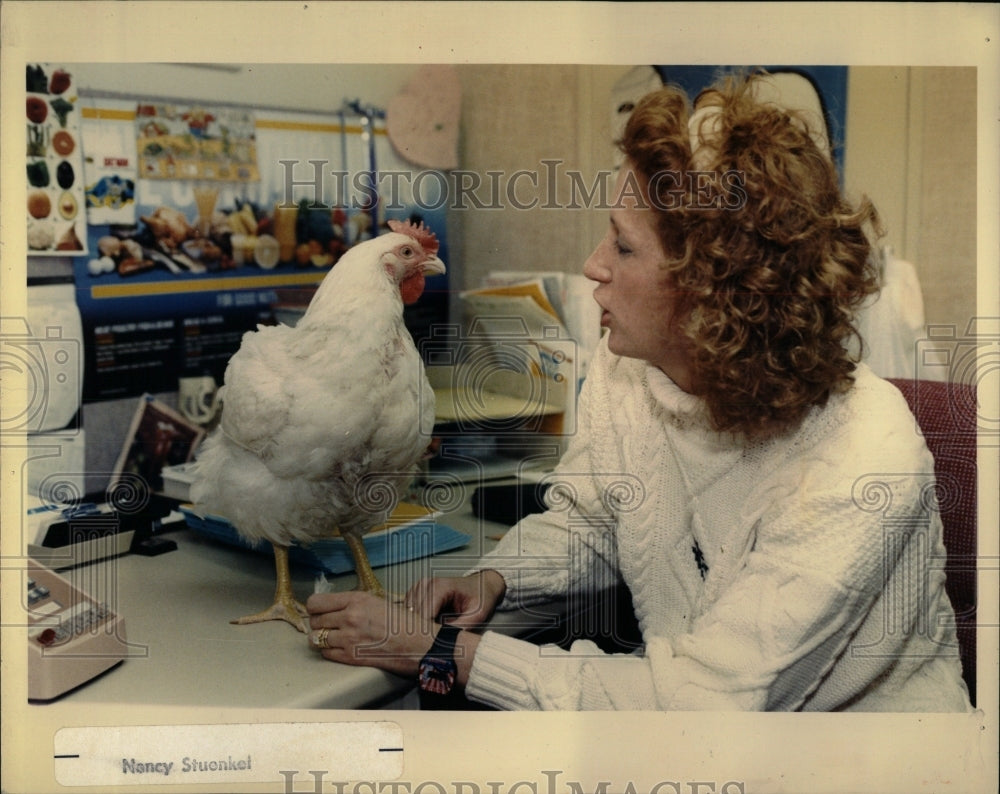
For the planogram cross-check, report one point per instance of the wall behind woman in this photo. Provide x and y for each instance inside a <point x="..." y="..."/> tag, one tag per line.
<point x="911" y="146"/>
<point x="514" y="118"/>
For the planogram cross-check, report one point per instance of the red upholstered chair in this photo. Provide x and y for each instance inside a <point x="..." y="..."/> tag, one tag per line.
<point x="946" y="414"/>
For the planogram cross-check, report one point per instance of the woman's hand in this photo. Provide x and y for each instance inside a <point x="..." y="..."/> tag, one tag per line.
<point x="462" y="601"/>
<point x="361" y="629"/>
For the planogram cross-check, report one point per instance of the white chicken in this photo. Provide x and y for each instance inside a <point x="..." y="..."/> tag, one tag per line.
<point x="318" y="417"/>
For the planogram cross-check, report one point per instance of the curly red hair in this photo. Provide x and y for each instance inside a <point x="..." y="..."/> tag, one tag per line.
<point x="769" y="261"/>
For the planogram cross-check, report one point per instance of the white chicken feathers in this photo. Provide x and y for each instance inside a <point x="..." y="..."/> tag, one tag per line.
<point x="323" y="424"/>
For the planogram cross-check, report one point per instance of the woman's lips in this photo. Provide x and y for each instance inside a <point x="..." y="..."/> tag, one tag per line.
<point x="605" y="314"/>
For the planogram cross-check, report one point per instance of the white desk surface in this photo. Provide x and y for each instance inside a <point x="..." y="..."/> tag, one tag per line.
<point x="184" y="651"/>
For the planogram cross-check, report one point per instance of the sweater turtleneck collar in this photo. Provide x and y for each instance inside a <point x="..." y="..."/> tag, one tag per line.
<point x="674" y="400"/>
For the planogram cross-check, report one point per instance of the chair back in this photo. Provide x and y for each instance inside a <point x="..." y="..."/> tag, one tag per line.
<point x="946" y="415"/>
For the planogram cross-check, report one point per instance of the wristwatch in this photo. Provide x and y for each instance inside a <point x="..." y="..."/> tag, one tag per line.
<point x="438" y="669"/>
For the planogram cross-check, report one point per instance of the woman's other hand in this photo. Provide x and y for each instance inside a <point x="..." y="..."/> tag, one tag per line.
<point x="464" y="601"/>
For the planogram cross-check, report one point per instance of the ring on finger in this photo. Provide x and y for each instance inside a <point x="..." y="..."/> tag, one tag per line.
<point x="319" y="639"/>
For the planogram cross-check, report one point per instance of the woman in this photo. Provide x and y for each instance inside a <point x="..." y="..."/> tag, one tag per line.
<point x="776" y="539"/>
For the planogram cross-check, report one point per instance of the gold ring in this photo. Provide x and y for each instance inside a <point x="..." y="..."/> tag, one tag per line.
<point x="320" y="639"/>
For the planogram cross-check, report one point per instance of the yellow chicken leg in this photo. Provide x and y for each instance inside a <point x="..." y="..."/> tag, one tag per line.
<point x="285" y="607"/>
<point x="366" y="576"/>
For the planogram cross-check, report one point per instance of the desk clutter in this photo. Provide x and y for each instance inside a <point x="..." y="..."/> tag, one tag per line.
<point x="63" y="536"/>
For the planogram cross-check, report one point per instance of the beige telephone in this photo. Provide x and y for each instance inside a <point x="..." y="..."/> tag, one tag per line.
<point x="71" y="637"/>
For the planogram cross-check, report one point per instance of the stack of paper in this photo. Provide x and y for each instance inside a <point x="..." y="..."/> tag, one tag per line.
<point x="554" y="313"/>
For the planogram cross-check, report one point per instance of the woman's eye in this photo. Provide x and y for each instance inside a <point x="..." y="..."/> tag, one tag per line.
<point x="621" y="249"/>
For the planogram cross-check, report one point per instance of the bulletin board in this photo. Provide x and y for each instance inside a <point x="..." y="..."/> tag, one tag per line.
<point x="177" y="307"/>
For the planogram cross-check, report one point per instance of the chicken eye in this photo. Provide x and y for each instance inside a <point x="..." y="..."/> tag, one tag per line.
<point x="407" y="251"/>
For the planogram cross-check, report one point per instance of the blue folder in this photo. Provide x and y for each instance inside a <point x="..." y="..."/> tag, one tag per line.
<point x="420" y="538"/>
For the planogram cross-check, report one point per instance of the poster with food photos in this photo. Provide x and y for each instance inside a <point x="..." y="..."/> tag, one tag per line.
<point x="196" y="142"/>
<point x="57" y="218"/>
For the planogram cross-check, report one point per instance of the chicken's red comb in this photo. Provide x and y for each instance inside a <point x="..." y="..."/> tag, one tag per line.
<point x="427" y="239"/>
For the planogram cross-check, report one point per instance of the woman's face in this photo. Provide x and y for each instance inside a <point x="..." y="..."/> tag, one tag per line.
<point x="633" y="289"/>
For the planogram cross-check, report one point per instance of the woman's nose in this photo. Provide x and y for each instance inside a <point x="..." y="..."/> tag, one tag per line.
<point x="594" y="268"/>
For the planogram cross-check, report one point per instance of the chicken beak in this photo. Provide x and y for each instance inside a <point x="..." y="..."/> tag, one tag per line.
<point x="432" y="266"/>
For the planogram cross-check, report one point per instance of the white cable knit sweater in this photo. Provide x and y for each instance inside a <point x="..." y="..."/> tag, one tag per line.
<point x="823" y="587"/>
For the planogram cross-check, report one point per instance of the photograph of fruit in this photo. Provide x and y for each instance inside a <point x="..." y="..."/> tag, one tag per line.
<point x="53" y="163"/>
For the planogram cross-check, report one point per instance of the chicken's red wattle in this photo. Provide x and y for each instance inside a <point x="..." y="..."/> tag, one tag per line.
<point x="411" y="288"/>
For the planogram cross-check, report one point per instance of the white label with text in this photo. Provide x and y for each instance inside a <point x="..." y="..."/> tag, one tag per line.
<point x="250" y="752"/>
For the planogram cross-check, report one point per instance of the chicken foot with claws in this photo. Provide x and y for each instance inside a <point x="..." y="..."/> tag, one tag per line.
<point x="285" y="607"/>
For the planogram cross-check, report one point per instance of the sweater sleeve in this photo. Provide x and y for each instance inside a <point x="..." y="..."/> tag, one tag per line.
<point x="820" y="564"/>
<point x="571" y="546"/>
